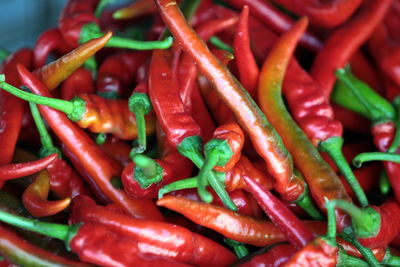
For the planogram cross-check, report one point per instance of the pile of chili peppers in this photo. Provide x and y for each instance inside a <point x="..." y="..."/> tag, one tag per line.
<point x="204" y="133"/>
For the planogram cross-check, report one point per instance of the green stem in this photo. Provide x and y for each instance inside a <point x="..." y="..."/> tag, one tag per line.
<point x="202" y="177"/>
<point x="191" y="148"/>
<point x="396" y="139"/>
<point x="240" y="249"/>
<point x="384" y="184"/>
<point x="306" y="204"/>
<point x="3" y="54"/>
<point x="147" y="171"/>
<point x="378" y="107"/>
<point x="101" y="139"/>
<point x="45" y="138"/>
<point x="74" y="109"/>
<point x="140" y="105"/>
<point x="365" y="222"/>
<point x="101" y="6"/>
<point x="178" y="185"/>
<point x="345" y="260"/>
<point x="189" y="8"/>
<point x="221" y="44"/>
<point x="390" y="260"/>
<point x="331" y="229"/>
<point x="367" y="254"/>
<point x="91" y="65"/>
<point x="372" y="156"/>
<point x="333" y="146"/>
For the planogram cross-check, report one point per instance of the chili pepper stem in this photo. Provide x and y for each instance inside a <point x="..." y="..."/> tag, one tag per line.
<point x="101" y="6"/>
<point x="372" y="156"/>
<point x="384" y="184"/>
<point x="240" y="250"/>
<point x="367" y="254"/>
<point x="47" y="143"/>
<point x="92" y="31"/>
<point x="221" y="44"/>
<point x="331" y="231"/>
<point x="3" y="54"/>
<point x="390" y="260"/>
<point x="396" y="139"/>
<point x="365" y="222"/>
<point x="74" y="109"/>
<point x="140" y="105"/>
<point x="147" y="171"/>
<point x="101" y="139"/>
<point x="345" y="260"/>
<point x="178" y="185"/>
<point x="333" y="146"/>
<point x="306" y="204"/>
<point x="207" y="167"/>
<point x="191" y="148"/>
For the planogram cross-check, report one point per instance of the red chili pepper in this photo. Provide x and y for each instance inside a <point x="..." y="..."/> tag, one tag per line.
<point x="375" y="226"/>
<point x="99" y="166"/>
<point x="79" y="82"/>
<point x="188" y="247"/>
<point x="18" y="170"/>
<point x="57" y="71"/>
<point x="117" y="149"/>
<point x="275" y="19"/>
<point x="48" y="42"/>
<point x="117" y="73"/>
<point x="22" y="253"/>
<point x="338" y="50"/>
<point x="35" y="198"/>
<point x="274" y="256"/>
<point x="324" y="14"/>
<point x="247" y="66"/>
<point x="11" y="108"/>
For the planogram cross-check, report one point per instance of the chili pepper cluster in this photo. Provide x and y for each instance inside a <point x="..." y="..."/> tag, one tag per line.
<point x="204" y="133"/>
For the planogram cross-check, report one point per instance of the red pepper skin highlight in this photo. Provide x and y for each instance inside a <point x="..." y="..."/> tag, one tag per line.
<point x="338" y="50"/>
<point x="99" y="166"/>
<point x="276" y="256"/>
<point x="79" y="82"/>
<point x="155" y="237"/>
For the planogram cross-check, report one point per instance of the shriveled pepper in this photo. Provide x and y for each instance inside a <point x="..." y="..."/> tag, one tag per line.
<point x="35" y="198"/>
<point x="93" y="160"/>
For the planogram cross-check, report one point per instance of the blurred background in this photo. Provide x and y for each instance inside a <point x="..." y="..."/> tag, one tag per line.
<point x="22" y="21"/>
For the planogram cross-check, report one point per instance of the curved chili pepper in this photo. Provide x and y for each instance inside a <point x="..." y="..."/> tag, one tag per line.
<point x="93" y="243"/>
<point x="135" y="9"/>
<point x="324" y="14"/>
<point x="57" y="71"/>
<point x="117" y="149"/>
<point x="78" y="24"/>
<point x="310" y="107"/>
<point x="275" y="19"/>
<point x="222" y="153"/>
<point x="22" y="253"/>
<point x="11" y="108"/>
<point x="48" y="42"/>
<point x="18" y="170"/>
<point x="35" y="198"/>
<point x="117" y="73"/>
<point x="247" y="66"/>
<point x="338" y="50"/>
<point x="375" y="227"/>
<point x="191" y="248"/>
<point x="264" y="137"/>
<point x="91" y="111"/>
<point x="93" y="160"/>
<point x="79" y="82"/>
<point x="64" y="181"/>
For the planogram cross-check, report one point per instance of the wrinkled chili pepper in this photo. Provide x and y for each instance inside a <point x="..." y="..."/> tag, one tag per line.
<point x="91" y="111"/>
<point x="18" y="170"/>
<point x="35" y="198"/>
<point x="323" y="14"/>
<point x="100" y="167"/>
<point x="316" y="171"/>
<point x="11" y="108"/>
<point x="189" y="247"/>
<point x="253" y="121"/>
<point x="48" y="42"/>
<point x="22" y="253"/>
<point x="78" y="24"/>
<point x="64" y="181"/>
<point x="338" y="50"/>
<point x="93" y="243"/>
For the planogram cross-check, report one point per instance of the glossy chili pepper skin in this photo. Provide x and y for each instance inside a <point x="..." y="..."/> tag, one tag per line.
<point x="338" y="50"/>
<point x="117" y="149"/>
<point x="11" y="108"/>
<point x="316" y="253"/>
<point x="79" y="82"/>
<point x="18" y="170"/>
<point x="265" y="139"/>
<point x="97" y="244"/>
<point x="22" y="253"/>
<point x="328" y="15"/>
<point x="275" y="256"/>
<point x="275" y="19"/>
<point x="117" y="73"/>
<point x="35" y="196"/>
<point x="50" y="41"/>
<point x="154" y="237"/>
<point x="245" y="61"/>
<point x="99" y="166"/>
